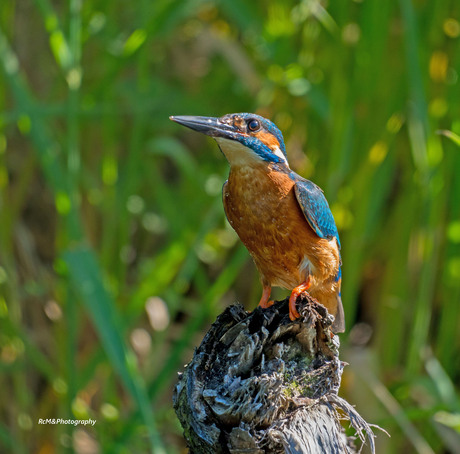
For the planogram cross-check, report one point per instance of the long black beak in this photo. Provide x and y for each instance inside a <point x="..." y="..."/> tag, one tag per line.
<point x="210" y="126"/>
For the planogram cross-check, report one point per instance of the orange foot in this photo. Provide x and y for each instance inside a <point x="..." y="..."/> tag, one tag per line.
<point x="265" y="300"/>
<point x="293" y="314"/>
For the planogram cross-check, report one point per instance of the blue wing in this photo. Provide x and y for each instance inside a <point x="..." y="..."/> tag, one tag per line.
<point x="315" y="208"/>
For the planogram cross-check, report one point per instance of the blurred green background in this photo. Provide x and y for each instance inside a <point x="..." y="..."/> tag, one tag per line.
<point x="115" y="256"/>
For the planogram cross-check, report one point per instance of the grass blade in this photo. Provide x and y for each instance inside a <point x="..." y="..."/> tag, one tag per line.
<point x="87" y="280"/>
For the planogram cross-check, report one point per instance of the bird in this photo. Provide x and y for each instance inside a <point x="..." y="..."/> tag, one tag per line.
<point x="283" y="219"/>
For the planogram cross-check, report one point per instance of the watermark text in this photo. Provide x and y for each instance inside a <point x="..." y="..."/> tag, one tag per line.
<point x="74" y="422"/>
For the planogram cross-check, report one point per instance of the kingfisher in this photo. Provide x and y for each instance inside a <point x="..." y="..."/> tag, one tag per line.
<point x="284" y="220"/>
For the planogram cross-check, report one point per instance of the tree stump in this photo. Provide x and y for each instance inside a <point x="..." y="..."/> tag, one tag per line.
<point x="260" y="383"/>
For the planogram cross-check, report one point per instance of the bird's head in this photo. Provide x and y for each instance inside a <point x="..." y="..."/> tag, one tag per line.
<point x="244" y="138"/>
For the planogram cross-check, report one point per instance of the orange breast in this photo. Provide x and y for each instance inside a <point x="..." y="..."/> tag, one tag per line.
<point x="261" y="206"/>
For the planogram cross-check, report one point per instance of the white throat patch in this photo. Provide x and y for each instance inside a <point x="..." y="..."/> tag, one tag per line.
<point x="238" y="154"/>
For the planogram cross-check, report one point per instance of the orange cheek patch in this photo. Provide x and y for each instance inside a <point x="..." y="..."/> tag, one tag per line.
<point x="268" y="139"/>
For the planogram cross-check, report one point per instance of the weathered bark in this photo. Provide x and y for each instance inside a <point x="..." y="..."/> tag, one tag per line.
<point x="260" y="383"/>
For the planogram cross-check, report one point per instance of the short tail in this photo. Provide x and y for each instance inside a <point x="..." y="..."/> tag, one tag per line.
<point x="339" y="323"/>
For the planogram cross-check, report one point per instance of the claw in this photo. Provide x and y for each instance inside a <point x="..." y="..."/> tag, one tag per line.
<point x="267" y="304"/>
<point x="296" y="292"/>
<point x="265" y="299"/>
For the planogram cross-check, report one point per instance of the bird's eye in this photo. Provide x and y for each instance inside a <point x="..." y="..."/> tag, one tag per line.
<point x="253" y="125"/>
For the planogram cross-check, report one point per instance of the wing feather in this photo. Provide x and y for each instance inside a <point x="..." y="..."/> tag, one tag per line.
<point x="316" y="209"/>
